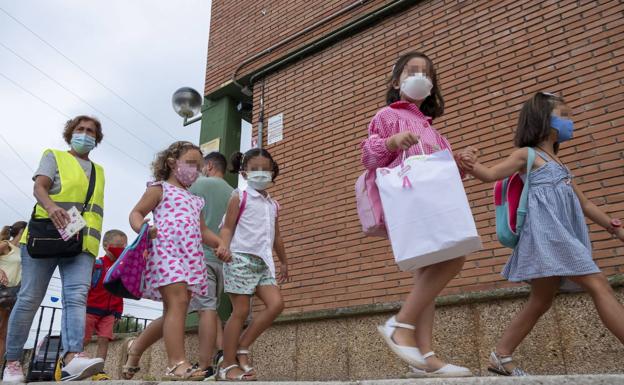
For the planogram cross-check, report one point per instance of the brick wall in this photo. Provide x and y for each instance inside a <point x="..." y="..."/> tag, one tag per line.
<point x="490" y="56"/>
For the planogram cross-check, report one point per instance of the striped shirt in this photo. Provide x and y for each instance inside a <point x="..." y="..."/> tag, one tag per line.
<point x="399" y="117"/>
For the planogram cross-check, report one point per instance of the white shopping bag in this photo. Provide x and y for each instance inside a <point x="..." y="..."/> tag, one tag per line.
<point x="426" y="210"/>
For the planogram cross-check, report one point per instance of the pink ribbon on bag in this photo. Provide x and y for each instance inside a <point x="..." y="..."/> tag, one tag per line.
<point x="406" y="182"/>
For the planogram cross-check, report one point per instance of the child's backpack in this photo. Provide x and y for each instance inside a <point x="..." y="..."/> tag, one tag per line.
<point x="369" y="206"/>
<point x="241" y="208"/>
<point x="125" y="277"/>
<point x="510" y="199"/>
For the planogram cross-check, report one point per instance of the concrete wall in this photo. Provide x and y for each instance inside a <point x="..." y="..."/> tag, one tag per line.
<point x="569" y="339"/>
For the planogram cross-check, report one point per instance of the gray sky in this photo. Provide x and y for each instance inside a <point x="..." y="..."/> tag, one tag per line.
<point x="142" y="50"/>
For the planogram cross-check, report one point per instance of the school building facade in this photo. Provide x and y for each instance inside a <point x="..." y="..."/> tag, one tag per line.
<point x="324" y="65"/>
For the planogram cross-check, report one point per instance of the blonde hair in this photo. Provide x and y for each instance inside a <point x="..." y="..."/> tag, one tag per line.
<point x="110" y="234"/>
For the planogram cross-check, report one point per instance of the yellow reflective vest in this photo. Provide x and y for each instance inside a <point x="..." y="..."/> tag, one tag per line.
<point x="74" y="185"/>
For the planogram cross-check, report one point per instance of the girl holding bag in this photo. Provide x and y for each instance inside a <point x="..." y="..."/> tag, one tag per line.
<point x="554" y="244"/>
<point x="175" y="268"/>
<point x="413" y="101"/>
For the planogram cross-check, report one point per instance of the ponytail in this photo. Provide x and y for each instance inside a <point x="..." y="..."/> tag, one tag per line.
<point x="13" y="231"/>
<point x="236" y="160"/>
<point x="239" y="161"/>
<point x="5" y="233"/>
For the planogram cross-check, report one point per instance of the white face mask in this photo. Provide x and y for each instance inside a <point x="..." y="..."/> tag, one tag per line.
<point x="416" y="86"/>
<point x="259" y="180"/>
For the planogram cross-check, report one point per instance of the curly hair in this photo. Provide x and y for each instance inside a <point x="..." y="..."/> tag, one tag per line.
<point x="160" y="166"/>
<point x="71" y="125"/>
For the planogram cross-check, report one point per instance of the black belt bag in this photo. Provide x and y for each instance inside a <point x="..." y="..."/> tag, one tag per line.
<point x="44" y="239"/>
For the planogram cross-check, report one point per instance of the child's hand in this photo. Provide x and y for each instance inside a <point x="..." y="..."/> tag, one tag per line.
<point x="282" y="276"/>
<point x="467" y="158"/>
<point x="223" y="253"/>
<point x="619" y="233"/>
<point x="153" y="232"/>
<point x="401" y="141"/>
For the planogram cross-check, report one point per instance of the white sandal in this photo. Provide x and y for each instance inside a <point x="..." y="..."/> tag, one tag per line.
<point x="448" y="370"/>
<point x="222" y="374"/>
<point x="409" y="354"/>
<point x="497" y="365"/>
<point x="247" y="368"/>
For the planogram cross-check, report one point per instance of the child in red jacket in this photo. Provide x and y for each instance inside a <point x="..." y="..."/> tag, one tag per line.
<point x="103" y="308"/>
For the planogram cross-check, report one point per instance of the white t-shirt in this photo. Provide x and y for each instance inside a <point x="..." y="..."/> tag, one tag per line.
<point x="255" y="231"/>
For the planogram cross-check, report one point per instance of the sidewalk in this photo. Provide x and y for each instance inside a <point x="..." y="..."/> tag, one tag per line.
<point x="594" y="379"/>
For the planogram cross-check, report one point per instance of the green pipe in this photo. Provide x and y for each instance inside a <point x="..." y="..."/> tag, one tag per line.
<point x="346" y="30"/>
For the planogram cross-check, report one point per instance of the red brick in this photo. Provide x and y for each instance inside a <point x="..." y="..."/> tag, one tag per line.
<point x="491" y="56"/>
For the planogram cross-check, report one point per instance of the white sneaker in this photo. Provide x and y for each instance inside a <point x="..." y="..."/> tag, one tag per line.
<point x="81" y="367"/>
<point x="13" y="372"/>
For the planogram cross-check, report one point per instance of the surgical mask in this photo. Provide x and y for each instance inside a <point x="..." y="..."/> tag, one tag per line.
<point x="82" y="143"/>
<point x="417" y="86"/>
<point x="186" y="173"/>
<point x="115" y="251"/>
<point x="564" y="127"/>
<point x="259" y="180"/>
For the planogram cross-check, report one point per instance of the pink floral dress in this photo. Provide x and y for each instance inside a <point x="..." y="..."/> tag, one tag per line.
<point x="176" y="254"/>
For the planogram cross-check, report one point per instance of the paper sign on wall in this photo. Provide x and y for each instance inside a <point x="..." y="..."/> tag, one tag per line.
<point x="212" y="146"/>
<point x="276" y="129"/>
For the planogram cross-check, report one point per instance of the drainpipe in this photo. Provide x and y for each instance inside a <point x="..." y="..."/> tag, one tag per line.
<point x="261" y="116"/>
<point x="289" y="39"/>
<point x="345" y="31"/>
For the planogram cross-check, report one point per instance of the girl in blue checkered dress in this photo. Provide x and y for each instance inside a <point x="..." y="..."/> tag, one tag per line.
<point x="554" y="242"/>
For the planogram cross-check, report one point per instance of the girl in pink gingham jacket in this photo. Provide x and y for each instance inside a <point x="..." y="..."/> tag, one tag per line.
<point x="414" y="100"/>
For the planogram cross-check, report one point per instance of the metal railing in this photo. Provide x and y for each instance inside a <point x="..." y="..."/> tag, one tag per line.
<point x="47" y="344"/>
<point x="130" y="324"/>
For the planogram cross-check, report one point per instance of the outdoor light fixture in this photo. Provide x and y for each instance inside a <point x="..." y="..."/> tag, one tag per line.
<point x="187" y="103"/>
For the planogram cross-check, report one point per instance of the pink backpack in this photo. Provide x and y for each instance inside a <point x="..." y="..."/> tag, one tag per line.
<point x="125" y="276"/>
<point x="369" y="205"/>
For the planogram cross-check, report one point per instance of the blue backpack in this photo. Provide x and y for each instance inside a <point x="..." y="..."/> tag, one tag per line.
<point x="510" y="199"/>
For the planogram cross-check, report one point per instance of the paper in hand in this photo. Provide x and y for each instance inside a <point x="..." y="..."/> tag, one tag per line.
<point x="76" y="223"/>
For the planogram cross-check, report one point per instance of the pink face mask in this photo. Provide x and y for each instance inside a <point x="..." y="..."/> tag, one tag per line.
<point x="186" y="173"/>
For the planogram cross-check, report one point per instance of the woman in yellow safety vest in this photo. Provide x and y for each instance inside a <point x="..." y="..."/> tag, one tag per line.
<point x="61" y="183"/>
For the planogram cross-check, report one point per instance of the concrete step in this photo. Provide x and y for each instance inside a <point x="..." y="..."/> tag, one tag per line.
<point x="594" y="379"/>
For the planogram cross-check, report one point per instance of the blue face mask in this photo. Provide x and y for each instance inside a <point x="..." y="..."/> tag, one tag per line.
<point x="564" y="127"/>
<point x="82" y="143"/>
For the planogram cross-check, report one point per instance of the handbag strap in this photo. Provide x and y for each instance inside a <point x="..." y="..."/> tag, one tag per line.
<point x="522" y="207"/>
<point x="90" y="190"/>
<point x="420" y="147"/>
